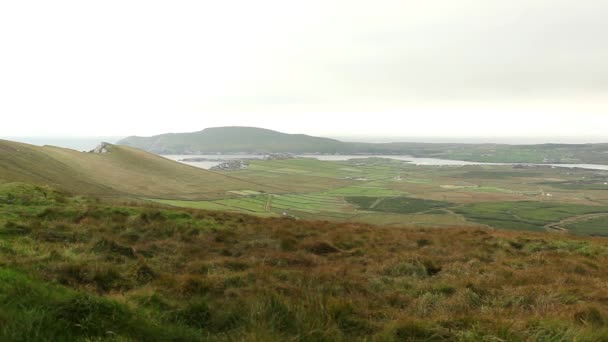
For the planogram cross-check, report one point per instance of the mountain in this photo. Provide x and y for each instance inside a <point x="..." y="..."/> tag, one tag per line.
<point x="234" y="140"/>
<point x="113" y="171"/>
<point x="259" y="140"/>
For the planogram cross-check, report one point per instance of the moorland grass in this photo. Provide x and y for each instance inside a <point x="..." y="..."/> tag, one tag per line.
<point x="84" y="269"/>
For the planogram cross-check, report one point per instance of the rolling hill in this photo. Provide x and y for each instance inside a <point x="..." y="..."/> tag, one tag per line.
<point x="234" y="140"/>
<point x="258" y="140"/>
<point x="120" y="171"/>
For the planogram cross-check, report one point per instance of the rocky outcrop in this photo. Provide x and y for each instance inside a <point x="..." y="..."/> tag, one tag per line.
<point x="231" y="165"/>
<point x="104" y="147"/>
<point x="279" y="156"/>
<point x="197" y="159"/>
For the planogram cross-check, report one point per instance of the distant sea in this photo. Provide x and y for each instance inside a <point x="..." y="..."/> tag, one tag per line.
<point x="521" y="140"/>
<point x="89" y="143"/>
<point x="75" y="143"/>
<point x="409" y="159"/>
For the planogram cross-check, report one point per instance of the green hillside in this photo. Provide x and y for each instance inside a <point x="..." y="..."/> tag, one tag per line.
<point x="120" y="171"/>
<point x="258" y="140"/>
<point x="232" y="140"/>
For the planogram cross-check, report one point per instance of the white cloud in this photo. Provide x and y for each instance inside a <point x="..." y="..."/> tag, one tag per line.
<point x="408" y="68"/>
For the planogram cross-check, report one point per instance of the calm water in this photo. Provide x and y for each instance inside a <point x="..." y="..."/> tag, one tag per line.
<point x="88" y="143"/>
<point x="413" y="160"/>
<point x="209" y="164"/>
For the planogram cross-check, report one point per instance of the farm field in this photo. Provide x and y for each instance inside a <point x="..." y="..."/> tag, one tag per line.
<point x="391" y="192"/>
<point x="590" y="225"/>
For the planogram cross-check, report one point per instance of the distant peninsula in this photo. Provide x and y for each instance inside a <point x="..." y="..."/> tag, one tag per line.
<point x="252" y="140"/>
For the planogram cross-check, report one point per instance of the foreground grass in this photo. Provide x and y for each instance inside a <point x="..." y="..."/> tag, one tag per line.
<point x="79" y="269"/>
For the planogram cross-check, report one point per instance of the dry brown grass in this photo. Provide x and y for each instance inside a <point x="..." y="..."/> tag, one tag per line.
<point x="278" y="279"/>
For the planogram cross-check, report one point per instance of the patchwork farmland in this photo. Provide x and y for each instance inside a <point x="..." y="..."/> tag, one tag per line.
<point x="391" y="192"/>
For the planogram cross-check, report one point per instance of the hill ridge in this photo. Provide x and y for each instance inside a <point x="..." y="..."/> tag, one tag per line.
<point x="122" y="170"/>
<point x="244" y="139"/>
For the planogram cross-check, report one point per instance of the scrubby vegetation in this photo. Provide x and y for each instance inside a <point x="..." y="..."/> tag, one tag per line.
<point x="83" y="269"/>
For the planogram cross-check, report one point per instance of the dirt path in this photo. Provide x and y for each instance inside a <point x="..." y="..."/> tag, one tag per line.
<point x="560" y="225"/>
<point x="380" y="199"/>
<point x="268" y="206"/>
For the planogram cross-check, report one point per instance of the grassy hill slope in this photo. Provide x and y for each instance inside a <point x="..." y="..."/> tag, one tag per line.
<point x="83" y="270"/>
<point x="123" y="170"/>
<point x="233" y="139"/>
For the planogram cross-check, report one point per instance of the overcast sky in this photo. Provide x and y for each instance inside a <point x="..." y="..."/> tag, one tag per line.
<point x="459" y="68"/>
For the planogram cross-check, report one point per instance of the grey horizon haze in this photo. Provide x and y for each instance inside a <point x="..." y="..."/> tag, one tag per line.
<point x="459" y="70"/>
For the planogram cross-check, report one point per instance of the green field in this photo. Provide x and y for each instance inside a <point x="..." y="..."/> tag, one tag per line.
<point x="374" y="190"/>
<point x="597" y="226"/>
<point x="524" y="215"/>
<point x="398" y="205"/>
<point x="385" y="191"/>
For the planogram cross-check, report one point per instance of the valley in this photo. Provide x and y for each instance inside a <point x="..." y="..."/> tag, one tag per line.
<point x="394" y="192"/>
<point x="248" y="140"/>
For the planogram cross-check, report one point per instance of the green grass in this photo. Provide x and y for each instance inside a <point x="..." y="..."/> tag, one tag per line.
<point x="362" y="191"/>
<point x="310" y="203"/>
<point x="208" y="205"/>
<point x="588" y="184"/>
<point x="524" y="215"/>
<point x="27" y="194"/>
<point x="418" y="180"/>
<point x="35" y="310"/>
<point x="595" y="226"/>
<point x="251" y="205"/>
<point x="488" y="174"/>
<point x="363" y="202"/>
<point x="487" y="189"/>
<point x="400" y="205"/>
